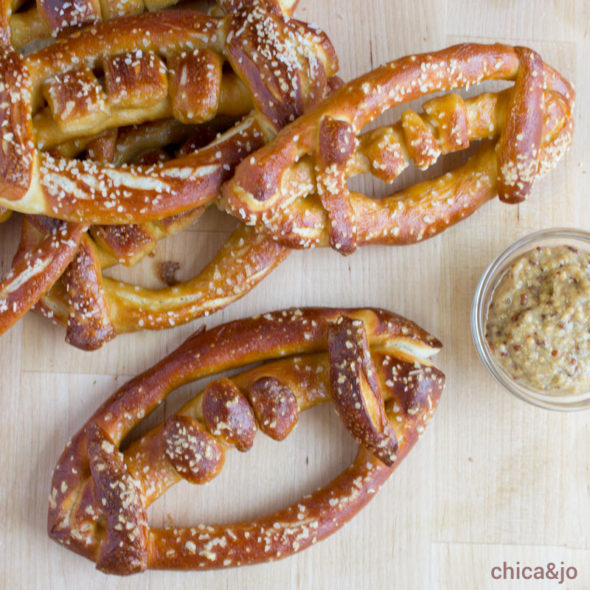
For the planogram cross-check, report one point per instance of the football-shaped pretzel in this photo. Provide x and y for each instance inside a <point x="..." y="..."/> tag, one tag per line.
<point x="372" y="364"/>
<point x="295" y="188"/>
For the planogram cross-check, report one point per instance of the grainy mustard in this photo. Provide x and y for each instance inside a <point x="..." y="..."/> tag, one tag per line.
<point x="538" y="323"/>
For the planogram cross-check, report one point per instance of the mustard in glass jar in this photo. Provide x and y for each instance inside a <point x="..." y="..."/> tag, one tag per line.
<point x="531" y="318"/>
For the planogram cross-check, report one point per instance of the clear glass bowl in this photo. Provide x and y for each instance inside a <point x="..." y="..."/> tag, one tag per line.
<point x="481" y="302"/>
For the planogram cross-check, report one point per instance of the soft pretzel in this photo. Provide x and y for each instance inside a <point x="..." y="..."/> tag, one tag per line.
<point x="295" y="188"/>
<point x="371" y="363"/>
<point x="95" y="308"/>
<point x="153" y="65"/>
<point x="51" y="17"/>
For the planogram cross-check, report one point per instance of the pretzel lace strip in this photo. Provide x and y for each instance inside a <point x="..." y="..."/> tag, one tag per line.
<point x="520" y="142"/>
<point x="191" y="444"/>
<point x="89" y="324"/>
<point x="356" y="391"/>
<point x="35" y="269"/>
<point x="78" y="106"/>
<point x="294" y="188"/>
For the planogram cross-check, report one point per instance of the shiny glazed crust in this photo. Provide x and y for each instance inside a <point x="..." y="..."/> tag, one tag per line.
<point x="295" y="188"/>
<point x="183" y="43"/>
<point x="100" y="493"/>
<point x="164" y="73"/>
<point x="52" y="17"/>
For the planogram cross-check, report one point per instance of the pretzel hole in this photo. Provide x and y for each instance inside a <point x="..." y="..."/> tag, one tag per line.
<point x="369" y="183"/>
<point x="312" y="455"/>
<point x="191" y="249"/>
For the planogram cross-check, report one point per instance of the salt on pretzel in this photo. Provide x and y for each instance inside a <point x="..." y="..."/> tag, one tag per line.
<point x="139" y="86"/>
<point x="36" y="268"/>
<point x="295" y="188"/>
<point x="51" y="17"/>
<point x="371" y="363"/>
<point x="95" y="308"/>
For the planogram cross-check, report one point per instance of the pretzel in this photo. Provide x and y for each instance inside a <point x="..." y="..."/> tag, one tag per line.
<point x="36" y="268"/>
<point x="95" y="308"/>
<point x="371" y="363"/>
<point x="130" y="52"/>
<point x="51" y="17"/>
<point x="294" y="189"/>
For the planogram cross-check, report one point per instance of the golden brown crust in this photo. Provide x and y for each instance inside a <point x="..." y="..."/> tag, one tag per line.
<point x="294" y="189"/>
<point x="132" y="52"/>
<point x="51" y="17"/>
<point x="292" y="346"/>
<point x="141" y="70"/>
<point x="38" y="263"/>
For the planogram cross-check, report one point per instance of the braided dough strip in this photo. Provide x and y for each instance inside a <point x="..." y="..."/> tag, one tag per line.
<point x="294" y="188"/>
<point x="40" y="183"/>
<point x="100" y="494"/>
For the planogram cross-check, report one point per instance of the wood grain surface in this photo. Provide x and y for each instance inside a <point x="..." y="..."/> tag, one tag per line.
<point x="492" y="479"/>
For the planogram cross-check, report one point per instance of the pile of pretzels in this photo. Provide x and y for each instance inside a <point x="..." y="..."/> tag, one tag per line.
<point x="121" y="122"/>
<point x="125" y="125"/>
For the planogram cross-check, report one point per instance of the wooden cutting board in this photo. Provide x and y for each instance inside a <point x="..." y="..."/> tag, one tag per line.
<point x="492" y="479"/>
